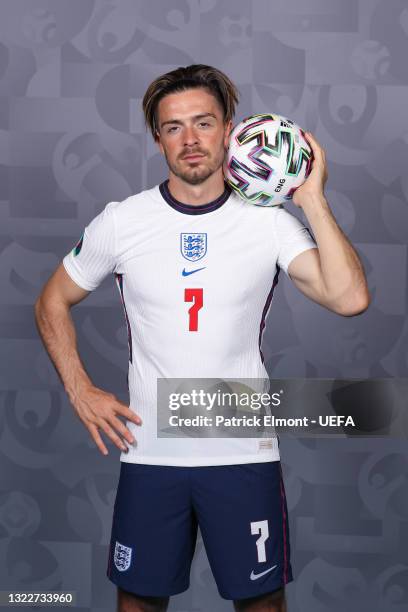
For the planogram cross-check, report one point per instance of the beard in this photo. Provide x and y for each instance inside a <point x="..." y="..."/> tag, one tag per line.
<point x="196" y="173"/>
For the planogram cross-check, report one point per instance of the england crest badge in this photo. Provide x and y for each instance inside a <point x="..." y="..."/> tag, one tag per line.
<point x="193" y="246"/>
<point x="122" y="557"/>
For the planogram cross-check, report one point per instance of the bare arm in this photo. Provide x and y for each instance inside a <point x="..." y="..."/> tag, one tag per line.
<point x="345" y="292"/>
<point x="333" y="274"/>
<point x="96" y="408"/>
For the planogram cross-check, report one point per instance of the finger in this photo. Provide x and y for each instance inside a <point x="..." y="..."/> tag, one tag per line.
<point x="311" y="137"/>
<point x="97" y="439"/>
<point x="316" y="148"/>
<point x="112" y="435"/>
<point x="125" y="411"/>
<point x="121" y="428"/>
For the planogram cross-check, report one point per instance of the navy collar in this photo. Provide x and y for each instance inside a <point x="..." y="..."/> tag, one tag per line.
<point x="190" y="209"/>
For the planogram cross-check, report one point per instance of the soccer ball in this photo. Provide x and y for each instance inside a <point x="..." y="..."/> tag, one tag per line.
<point x="267" y="159"/>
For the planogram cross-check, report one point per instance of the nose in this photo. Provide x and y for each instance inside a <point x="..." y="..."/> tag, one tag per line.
<point x="190" y="136"/>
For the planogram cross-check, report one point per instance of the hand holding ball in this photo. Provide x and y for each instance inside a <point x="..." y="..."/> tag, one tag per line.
<point x="267" y="159"/>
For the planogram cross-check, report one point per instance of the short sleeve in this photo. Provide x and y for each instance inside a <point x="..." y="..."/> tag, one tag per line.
<point x="292" y="237"/>
<point x="93" y="257"/>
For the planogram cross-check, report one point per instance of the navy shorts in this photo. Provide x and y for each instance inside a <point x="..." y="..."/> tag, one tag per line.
<point x="242" y="514"/>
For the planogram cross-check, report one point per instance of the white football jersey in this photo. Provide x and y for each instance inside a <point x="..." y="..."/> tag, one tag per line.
<point x="196" y="283"/>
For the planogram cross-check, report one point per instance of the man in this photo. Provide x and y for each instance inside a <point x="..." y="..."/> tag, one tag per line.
<point x="195" y="313"/>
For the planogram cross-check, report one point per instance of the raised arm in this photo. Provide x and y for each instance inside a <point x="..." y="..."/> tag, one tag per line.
<point x="333" y="275"/>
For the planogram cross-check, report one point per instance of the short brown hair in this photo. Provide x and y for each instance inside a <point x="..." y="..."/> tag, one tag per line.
<point x="189" y="77"/>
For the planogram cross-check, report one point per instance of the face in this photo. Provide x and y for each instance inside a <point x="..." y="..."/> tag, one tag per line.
<point x="192" y="134"/>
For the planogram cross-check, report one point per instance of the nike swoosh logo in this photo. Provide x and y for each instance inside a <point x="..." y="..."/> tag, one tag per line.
<point x="256" y="576"/>
<point x="187" y="273"/>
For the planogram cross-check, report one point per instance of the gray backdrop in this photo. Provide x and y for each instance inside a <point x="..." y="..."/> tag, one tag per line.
<point x="73" y="73"/>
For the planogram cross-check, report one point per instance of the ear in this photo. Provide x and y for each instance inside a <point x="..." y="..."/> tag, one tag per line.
<point x="227" y="131"/>
<point x="158" y="142"/>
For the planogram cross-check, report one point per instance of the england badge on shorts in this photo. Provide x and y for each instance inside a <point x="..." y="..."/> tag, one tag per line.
<point x="193" y="246"/>
<point x="122" y="557"/>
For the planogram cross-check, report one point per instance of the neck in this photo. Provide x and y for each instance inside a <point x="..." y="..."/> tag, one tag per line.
<point x="209" y="190"/>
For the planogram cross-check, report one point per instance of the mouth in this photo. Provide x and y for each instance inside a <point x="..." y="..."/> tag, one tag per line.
<point x="193" y="157"/>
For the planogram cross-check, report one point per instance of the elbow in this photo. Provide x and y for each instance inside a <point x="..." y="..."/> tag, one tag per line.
<point x="356" y="306"/>
<point x="39" y="304"/>
<point x="43" y="307"/>
<point x="39" y="311"/>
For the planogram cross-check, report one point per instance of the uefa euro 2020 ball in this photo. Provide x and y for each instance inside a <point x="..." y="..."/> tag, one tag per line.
<point x="267" y="159"/>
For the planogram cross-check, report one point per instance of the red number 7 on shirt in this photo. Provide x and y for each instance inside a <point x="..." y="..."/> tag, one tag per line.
<point x="195" y="296"/>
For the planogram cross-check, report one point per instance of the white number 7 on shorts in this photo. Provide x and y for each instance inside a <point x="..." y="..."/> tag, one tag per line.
<point x="262" y="528"/>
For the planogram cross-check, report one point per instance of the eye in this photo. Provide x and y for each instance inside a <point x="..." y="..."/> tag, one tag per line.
<point x="174" y="127"/>
<point x="203" y="123"/>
